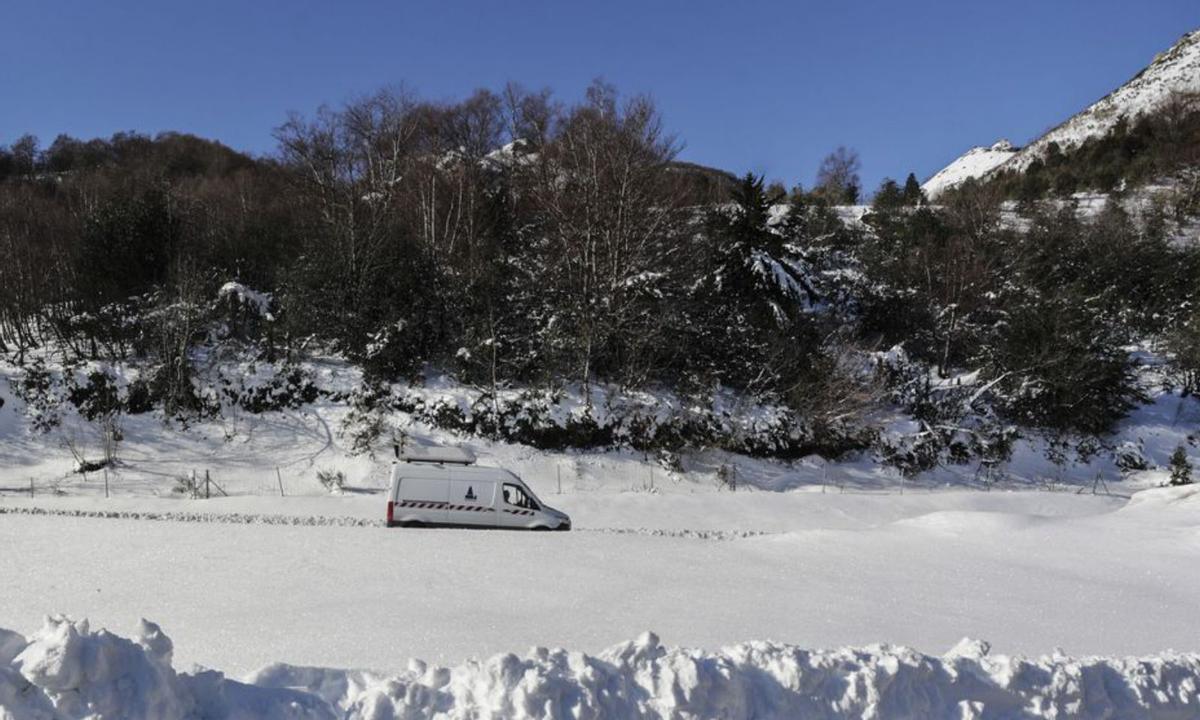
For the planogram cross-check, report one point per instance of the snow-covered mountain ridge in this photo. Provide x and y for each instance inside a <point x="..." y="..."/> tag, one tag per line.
<point x="1173" y="72"/>
<point x="974" y="163"/>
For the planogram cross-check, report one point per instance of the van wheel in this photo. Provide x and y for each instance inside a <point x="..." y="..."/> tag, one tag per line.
<point x="540" y="528"/>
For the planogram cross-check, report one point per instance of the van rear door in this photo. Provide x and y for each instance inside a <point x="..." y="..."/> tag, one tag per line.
<point x="472" y="500"/>
<point x="422" y="497"/>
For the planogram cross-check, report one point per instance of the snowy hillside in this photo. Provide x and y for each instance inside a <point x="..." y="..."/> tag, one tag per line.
<point x="1175" y="71"/>
<point x="976" y="162"/>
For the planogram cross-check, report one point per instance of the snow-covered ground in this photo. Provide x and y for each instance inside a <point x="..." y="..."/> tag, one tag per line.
<point x="1028" y="571"/>
<point x="812" y="554"/>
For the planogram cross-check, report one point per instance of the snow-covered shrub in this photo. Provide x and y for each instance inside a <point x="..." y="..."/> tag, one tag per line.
<point x="332" y="480"/>
<point x="1129" y="457"/>
<point x="172" y="386"/>
<point x="265" y="387"/>
<point x="557" y="419"/>
<point x="399" y="348"/>
<point x="43" y="393"/>
<point x="96" y="395"/>
<point x="138" y="397"/>
<point x="186" y="485"/>
<point x="246" y="311"/>
<point x="365" y="424"/>
<point x="954" y="423"/>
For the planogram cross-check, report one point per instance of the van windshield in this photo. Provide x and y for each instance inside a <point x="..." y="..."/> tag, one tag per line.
<point x="516" y="496"/>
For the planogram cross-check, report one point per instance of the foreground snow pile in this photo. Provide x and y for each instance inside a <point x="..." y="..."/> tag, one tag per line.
<point x="68" y="671"/>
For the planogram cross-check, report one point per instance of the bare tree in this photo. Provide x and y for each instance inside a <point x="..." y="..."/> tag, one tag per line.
<point x="837" y="177"/>
<point x="603" y="188"/>
<point x="350" y="164"/>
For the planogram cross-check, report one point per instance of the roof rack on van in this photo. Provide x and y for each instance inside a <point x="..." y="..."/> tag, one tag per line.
<point x="423" y="454"/>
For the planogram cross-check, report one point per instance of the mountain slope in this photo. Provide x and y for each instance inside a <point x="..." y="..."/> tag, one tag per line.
<point x="976" y="162"/>
<point x="1174" y="72"/>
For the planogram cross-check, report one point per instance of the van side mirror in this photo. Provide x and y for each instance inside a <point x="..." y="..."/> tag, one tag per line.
<point x="396" y="450"/>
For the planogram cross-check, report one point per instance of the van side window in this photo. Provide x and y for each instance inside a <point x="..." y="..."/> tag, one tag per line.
<point x="514" y="495"/>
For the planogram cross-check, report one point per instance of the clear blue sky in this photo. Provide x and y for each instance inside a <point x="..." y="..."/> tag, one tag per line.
<point x="767" y="87"/>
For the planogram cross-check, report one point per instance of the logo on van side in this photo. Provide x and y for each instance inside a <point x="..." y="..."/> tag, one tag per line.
<point x="470" y="493"/>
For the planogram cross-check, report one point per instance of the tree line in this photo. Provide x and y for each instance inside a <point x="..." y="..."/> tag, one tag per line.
<point x="517" y="240"/>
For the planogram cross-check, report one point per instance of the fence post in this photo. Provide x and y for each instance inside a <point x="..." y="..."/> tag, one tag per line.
<point x="206" y="490"/>
<point x="30" y="487"/>
<point x="559" y="469"/>
<point x="106" y="482"/>
<point x="280" y="477"/>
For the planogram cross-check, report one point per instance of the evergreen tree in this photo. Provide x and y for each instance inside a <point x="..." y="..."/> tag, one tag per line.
<point x="913" y="194"/>
<point x="745" y="311"/>
<point x="1181" y="469"/>
<point x="888" y="197"/>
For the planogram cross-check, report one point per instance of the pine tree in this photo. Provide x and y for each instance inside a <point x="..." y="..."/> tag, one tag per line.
<point x="888" y="196"/>
<point x="913" y="194"/>
<point x="1181" y="469"/>
<point x="746" y="308"/>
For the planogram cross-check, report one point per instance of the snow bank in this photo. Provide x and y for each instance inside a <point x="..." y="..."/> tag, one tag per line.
<point x="68" y="671"/>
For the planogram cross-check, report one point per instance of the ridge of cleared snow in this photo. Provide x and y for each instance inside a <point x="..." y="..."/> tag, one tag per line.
<point x="976" y="162"/>
<point x="67" y="670"/>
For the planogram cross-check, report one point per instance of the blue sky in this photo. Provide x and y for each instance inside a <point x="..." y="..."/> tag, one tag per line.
<point x="765" y="87"/>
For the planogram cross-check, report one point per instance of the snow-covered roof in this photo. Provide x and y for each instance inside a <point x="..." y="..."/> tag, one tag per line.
<point x="437" y="454"/>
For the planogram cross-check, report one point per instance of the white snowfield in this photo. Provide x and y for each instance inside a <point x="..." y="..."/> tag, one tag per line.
<point x="67" y="670"/>
<point x="805" y="554"/>
<point x="1030" y="571"/>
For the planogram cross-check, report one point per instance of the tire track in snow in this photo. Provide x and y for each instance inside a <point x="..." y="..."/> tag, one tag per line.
<point x="720" y="535"/>
<point x="236" y="518"/>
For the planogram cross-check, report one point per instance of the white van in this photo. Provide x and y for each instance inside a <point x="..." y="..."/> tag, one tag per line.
<point x="443" y="487"/>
